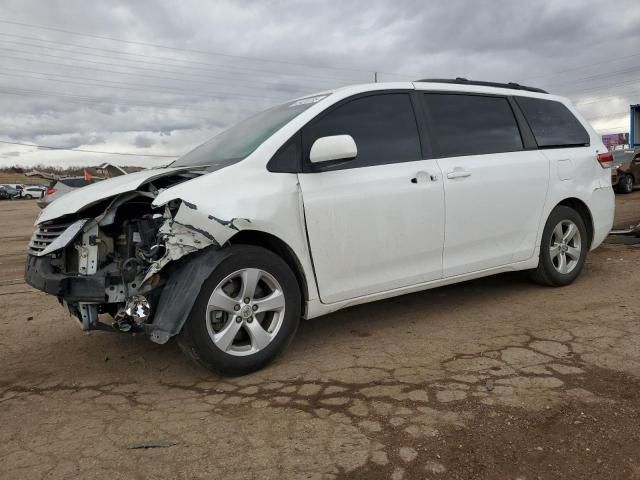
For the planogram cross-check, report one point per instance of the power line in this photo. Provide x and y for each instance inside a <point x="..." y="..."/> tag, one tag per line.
<point x="147" y="87"/>
<point x="135" y="67"/>
<point x="102" y="101"/>
<point x="156" y="70"/>
<point x="96" y="101"/>
<point x="179" y="49"/>
<point x="202" y="52"/>
<point x="600" y="99"/>
<point x="590" y="64"/>
<point x="219" y="67"/>
<point x="126" y="87"/>
<point x="613" y="73"/>
<point x="601" y="87"/>
<point x="88" y="151"/>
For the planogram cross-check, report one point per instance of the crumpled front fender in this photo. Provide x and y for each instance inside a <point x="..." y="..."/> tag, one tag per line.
<point x="181" y="290"/>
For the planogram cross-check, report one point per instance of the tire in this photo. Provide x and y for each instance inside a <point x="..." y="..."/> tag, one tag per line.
<point x="261" y="335"/>
<point x="625" y="184"/>
<point x="28" y="197"/>
<point x="550" y="270"/>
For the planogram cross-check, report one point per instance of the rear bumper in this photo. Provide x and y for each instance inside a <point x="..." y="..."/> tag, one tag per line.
<point x="602" y="207"/>
<point x="39" y="273"/>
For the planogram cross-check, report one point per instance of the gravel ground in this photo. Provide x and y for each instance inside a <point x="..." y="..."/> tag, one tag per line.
<point x="495" y="378"/>
<point x="627" y="209"/>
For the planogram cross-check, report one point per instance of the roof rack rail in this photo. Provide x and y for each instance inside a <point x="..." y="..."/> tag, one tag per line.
<point x="464" y="81"/>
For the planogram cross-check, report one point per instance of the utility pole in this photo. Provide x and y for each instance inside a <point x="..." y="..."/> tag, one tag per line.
<point x="375" y="77"/>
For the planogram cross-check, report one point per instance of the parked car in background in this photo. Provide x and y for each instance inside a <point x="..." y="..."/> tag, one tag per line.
<point x="15" y="186"/>
<point x="33" y="192"/>
<point x="9" y="193"/>
<point x="63" y="186"/>
<point x="625" y="171"/>
<point x="328" y="201"/>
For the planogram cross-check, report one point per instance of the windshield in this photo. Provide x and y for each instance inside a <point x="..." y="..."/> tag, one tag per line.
<point x="238" y="142"/>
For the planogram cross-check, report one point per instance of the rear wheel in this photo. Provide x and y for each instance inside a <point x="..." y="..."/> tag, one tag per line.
<point x="563" y="249"/>
<point x="28" y="196"/>
<point x="625" y="184"/>
<point x="246" y="313"/>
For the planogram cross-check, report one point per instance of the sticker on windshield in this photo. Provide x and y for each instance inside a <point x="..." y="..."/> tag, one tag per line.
<point x="306" y="101"/>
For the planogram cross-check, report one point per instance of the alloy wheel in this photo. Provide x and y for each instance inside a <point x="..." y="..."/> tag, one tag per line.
<point x="245" y="312"/>
<point x="565" y="246"/>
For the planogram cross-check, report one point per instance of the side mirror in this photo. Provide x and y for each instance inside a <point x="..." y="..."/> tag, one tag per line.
<point x="335" y="147"/>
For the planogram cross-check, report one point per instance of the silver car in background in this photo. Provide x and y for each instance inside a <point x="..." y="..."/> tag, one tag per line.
<point x="63" y="186"/>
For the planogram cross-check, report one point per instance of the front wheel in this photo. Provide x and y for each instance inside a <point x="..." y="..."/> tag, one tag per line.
<point x="28" y="197"/>
<point x="563" y="249"/>
<point x="246" y="313"/>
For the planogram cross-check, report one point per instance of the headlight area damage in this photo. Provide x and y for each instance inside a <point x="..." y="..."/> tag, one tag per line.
<point x="131" y="260"/>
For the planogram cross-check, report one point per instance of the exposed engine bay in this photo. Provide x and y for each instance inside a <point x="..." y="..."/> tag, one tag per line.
<point x="112" y="257"/>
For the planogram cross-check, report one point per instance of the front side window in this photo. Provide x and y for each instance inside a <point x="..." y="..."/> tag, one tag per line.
<point x="240" y="141"/>
<point x="552" y="123"/>
<point x="472" y="124"/>
<point x="383" y="127"/>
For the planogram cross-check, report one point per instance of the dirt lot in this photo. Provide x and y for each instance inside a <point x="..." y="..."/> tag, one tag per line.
<point x="8" y="177"/>
<point x="627" y="209"/>
<point x="495" y="379"/>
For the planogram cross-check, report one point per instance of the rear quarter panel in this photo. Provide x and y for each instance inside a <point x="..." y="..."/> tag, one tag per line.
<point x="576" y="173"/>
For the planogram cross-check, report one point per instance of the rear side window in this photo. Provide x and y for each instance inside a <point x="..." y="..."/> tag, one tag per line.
<point x="75" y="182"/>
<point x="383" y="127"/>
<point x="472" y="124"/>
<point x="552" y="123"/>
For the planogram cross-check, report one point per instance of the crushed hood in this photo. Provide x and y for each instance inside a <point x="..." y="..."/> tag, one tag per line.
<point x="83" y="197"/>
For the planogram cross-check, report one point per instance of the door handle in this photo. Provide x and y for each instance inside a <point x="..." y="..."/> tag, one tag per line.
<point x="458" y="173"/>
<point x="423" y="177"/>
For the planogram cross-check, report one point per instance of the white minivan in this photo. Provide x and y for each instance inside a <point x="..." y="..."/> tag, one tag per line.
<point x="327" y="201"/>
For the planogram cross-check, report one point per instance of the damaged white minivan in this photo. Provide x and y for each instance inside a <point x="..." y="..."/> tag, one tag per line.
<point x="327" y="201"/>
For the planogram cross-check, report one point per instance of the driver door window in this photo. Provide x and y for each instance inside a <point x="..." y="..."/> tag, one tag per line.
<point x="383" y="127"/>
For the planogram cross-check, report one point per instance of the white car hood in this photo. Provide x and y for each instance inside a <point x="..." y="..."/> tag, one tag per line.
<point x="81" y="198"/>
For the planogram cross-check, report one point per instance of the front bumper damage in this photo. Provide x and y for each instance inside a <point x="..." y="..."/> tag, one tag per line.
<point x="142" y="267"/>
<point x="40" y="274"/>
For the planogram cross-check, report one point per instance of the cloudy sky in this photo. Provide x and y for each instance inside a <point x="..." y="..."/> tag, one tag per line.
<point x="158" y="77"/>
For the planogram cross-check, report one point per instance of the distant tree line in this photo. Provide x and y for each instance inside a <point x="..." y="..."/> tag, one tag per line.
<point x="57" y="170"/>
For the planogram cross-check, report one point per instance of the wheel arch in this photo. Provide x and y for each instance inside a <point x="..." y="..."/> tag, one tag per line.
<point x="277" y="246"/>
<point x="584" y="212"/>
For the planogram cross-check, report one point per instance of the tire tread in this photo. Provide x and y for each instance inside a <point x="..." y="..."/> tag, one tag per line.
<point x="545" y="275"/>
<point x="194" y="341"/>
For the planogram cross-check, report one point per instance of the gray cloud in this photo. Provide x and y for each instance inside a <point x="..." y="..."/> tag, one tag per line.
<point x="143" y="141"/>
<point x="70" y="91"/>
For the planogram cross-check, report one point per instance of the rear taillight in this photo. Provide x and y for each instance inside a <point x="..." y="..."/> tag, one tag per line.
<point x="605" y="159"/>
<point x="50" y="191"/>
